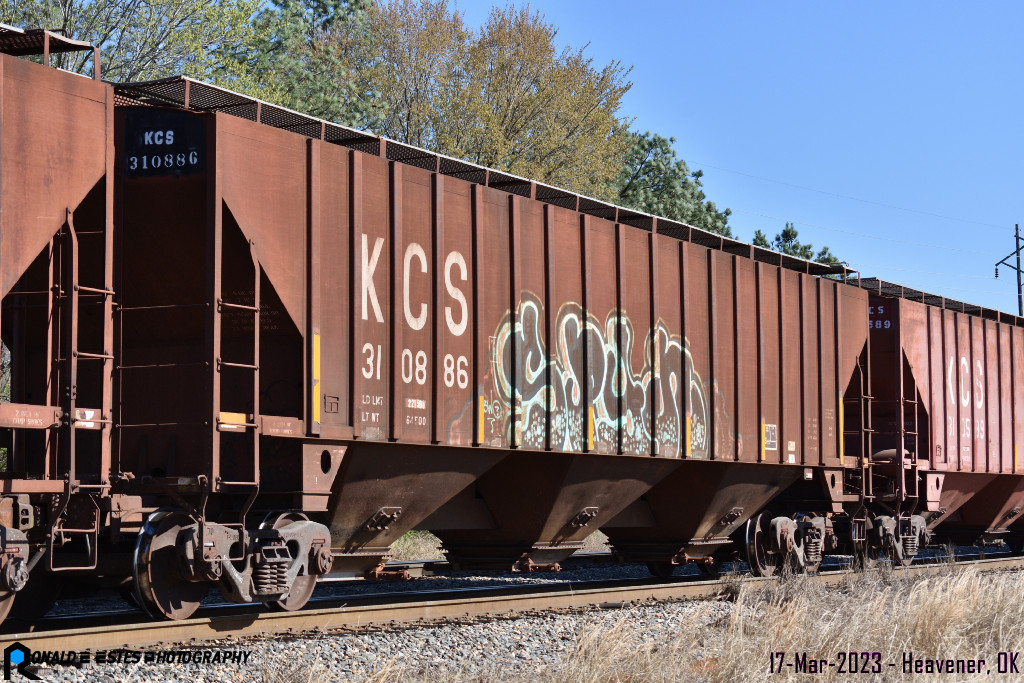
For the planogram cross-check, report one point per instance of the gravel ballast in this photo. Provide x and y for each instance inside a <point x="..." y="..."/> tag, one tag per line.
<point x="528" y="645"/>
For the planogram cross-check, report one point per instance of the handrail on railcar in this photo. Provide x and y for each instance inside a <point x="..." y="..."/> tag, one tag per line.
<point x="895" y="291"/>
<point x="38" y="41"/>
<point x="189" y="94"/>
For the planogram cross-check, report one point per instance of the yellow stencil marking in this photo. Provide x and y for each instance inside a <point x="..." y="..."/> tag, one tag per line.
<point x="764" y="430"/>
<point x="689" y="436"/>
<point x="590" y="428"/>
<point x="317" y="391"/>
<point x="233" y="422"/>
<point x="482" y="409"/>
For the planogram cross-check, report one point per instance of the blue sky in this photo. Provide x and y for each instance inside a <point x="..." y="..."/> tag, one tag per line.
<point x="890" y="131"/>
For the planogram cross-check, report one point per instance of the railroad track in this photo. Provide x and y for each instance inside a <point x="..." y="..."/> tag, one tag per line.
<point x="369" y="610"/>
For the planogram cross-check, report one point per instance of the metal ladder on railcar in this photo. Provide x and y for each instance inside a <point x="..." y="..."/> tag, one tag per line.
<point x="236" y="422"/>
<point x="858" y="480"/>
<point x="908" y="489"/>
<point x="240" y="422"/>
<point x="67" y="292"/>
<point x="901" y="473"/>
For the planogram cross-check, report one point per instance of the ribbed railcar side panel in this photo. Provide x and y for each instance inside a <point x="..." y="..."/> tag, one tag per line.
<point x="770" y="363"/>
<point x="495" y="319"/>
<point x="371" y="266"/>
<point x="669" y="352"/>
<point x="635" y="343"/>
<point x="455" y="269"/>
<point x="333" y="281"/>
<point x="602" y="338"/>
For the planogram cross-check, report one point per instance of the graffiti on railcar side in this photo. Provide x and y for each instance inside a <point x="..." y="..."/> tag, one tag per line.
<point x="609" y="385"/>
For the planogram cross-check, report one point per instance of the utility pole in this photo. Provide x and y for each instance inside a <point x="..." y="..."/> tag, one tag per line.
<point x="1016" y="252"/>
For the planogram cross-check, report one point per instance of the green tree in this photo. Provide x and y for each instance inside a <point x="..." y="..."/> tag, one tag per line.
<point x="297" y="65"/>
<point x="413" y="60"/>
<point x="144" y="39"/>
<point x="653" y="179"/>
<point x="504" y="95"/>
<point x="786" y="242"/>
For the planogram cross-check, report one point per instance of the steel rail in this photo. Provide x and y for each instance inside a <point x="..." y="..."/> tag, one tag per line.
<point x="468" y="603"/>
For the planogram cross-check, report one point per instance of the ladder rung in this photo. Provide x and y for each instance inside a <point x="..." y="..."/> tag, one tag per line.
<point x="194" y="364"/>
<point x="157" y="307"/>
<point x="93" y="290"/>
<point x="244" y="366"/>
<point x="240" y="307"/>
<point x="83" y="419"/>
<point x="98" y="356"/>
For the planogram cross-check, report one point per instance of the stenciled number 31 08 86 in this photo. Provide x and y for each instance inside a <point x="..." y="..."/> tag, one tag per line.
<point x="179" y="160"/>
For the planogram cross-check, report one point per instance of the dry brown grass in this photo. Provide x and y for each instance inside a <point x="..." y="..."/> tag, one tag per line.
<point x="417" y="545"/>
<point x="959" y="614"/>
<point x="596" y="542"/>
<point x="423" y="545"/>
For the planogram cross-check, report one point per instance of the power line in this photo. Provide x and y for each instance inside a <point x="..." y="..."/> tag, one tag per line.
<point x="856" y="199"/>
<point x="869" y="236"/>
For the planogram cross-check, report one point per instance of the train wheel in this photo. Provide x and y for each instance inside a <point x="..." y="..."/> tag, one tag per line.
<point x="762" y="561"/>
<point x="162" y="592"/>
<point x="302" y="586"/>
<point x="661" y="570"/>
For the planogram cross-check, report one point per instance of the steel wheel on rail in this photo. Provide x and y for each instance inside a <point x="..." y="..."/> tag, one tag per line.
<point x="302" y="586"/>
<point x="762" y="561"/>
<point x="161" y="590"/>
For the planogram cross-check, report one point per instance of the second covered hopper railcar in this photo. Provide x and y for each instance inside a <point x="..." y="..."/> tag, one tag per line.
<point x="948" y="401"/>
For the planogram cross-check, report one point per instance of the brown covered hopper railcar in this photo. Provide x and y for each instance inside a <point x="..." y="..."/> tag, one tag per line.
<point x="946" y="384"/>
<point x="465" y="357"/>
<point x="251" y="347"/>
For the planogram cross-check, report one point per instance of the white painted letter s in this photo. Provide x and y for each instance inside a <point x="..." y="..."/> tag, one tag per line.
<point x="455" y="258"/>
